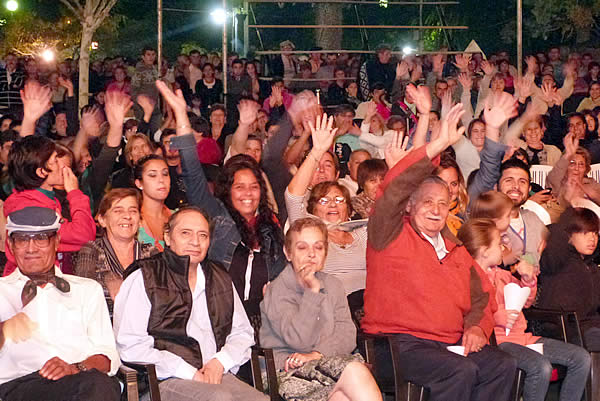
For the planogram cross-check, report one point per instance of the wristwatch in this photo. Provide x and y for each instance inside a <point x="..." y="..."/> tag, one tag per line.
<point x="81" y="366"/>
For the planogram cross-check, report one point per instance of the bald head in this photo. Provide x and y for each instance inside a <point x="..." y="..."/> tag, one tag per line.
<point x="357" y="157"/>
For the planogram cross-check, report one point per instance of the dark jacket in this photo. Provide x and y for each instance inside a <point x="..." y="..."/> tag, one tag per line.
<point x="166" y="282"/>
<point x="568" y="281"/>
<point x="225" y="236"/>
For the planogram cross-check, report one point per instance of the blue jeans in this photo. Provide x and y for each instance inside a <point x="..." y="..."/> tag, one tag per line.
<point x="538" y="368"/>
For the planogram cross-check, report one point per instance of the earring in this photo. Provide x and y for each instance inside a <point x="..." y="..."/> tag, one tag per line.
<point x="141" y="188"/>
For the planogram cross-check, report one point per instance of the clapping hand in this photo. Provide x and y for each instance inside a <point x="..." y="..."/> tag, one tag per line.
<point x="571" y="143"/>
<point x="487" y="67"/>
<point x="531" y="64"/>
<point x="450" y="132"/>
<point x="401" y="69"/>
<point x="437" y="61"/>
<point x="90" y="121"/>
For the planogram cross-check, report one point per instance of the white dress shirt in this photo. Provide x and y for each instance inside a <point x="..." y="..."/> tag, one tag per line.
<point x="72" y="326"/>
<point x="132" y="311"/>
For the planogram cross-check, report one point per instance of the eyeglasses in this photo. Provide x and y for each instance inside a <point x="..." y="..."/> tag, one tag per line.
<point x="573" y="163"/>
<point x="324" y="201"/>
<point x="40" y="240"/>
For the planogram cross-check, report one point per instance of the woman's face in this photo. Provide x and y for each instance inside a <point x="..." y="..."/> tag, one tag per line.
<point x="503" y="67"/>
<point x="155" y="182"/>
<point x="139" y="149"/>
<point x="591" y="122"/>
<point x="375" y="125"/>
<point x="251" y="69"/>
<point x="85" y="161"/>
<point x="478" y="134"/>
<point x="122" y="220"/>
<point x="585" y="243"/>
<point x="332" y="207"/>
<point x="533" y="134"/>
<point x="577" y="167"/>
<point x="245" y="193"/>
<point x="372" y="185"/>
<point x="217" y="117"/>
<point x="450" y="177"/>
<point x="308" y="250"/>
<point x="352" y="89"/>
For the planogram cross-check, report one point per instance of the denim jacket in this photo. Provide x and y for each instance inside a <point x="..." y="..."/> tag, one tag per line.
<point x="225" y="236"/>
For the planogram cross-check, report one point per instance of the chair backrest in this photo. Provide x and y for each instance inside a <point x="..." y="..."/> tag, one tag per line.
<point x="595" y="172"/>
<point x="539" y="173"/>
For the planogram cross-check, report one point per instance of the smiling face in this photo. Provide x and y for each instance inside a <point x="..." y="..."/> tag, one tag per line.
<point x="155" y="182"/>
<point x="428" y="212"/>
<point x="477" y="135"/>
<point x="332" y="207"/>
<point x="533" y="135"/>
<point x="245" y="193"/>
<point x="33" y="258"/>
<point x="595" y="91"/>
<point x="308" y="249"/>
<point x="189" y="235"/>
<point x="122" y="220"/>
<point x="514" y="182"/>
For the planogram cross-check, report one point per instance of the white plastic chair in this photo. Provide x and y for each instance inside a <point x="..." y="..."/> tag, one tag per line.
<point x="595" y="172"/>
<point x="539" y="173"/>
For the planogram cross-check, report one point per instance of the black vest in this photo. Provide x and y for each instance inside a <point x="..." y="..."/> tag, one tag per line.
<point x="166" y="282"/>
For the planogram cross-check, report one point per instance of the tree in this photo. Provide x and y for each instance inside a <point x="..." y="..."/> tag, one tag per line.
<point x="29" y="35"/>
<point x="91" y="15"/>
<point x="329" y="14"/>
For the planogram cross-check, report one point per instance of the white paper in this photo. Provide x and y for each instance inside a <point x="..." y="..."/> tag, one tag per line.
<point x="538" y="347"/>
<point x="515" y="298"/>
<point x="457" y="349"/>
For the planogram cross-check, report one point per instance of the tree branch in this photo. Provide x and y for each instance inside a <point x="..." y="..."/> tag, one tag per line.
<point x="75" y="8"/>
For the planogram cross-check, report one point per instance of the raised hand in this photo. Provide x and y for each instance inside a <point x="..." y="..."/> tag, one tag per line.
<point x="323" y="134"/>
<point x="523" y="87"/>
<point x="401" y="69"/>
<point x="90" y="121"/>
<point x="465" y="80"/>
<point x="67" y="84"/>
<point x="147" y="104"/>
<point x="304" y="109"/>
<point x="396" y="150"/>
<point x="437" y="61"/>
<point x="36" y="100"/>
<point x="504" y="107"/>
<point x="179" y="106"/>
<point x="116" y="107"/>
<point x="450" y="130"/>
<point x="446" y="103"/>
<point x="421" y="97"/>
<point x="487" y="67"/>
<point x="248" y="110"/>
<point x="371" y="111"/>
<point x="462" y="61"/>
<point x="531" y="64"/>
<point x="569" y="70"/>
<point x="571" y="144"/>
<point x="417" y="72"/>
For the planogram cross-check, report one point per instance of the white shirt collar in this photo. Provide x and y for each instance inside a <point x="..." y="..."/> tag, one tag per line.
<point x="438" y="244"/>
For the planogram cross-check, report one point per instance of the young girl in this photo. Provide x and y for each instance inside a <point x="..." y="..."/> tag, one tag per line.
<point x="482" y="239"/>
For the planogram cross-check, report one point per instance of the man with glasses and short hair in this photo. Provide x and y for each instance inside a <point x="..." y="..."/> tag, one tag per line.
<point x="56" y="340"/>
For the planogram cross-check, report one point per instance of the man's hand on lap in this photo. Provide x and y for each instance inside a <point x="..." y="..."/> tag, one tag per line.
<point x="474" y="339"/>
<point x="56" y="369"/>
<point x="213" y="371"/>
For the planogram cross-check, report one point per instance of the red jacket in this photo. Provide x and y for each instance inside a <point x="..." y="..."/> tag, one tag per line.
<point x="409" y="290"/>
<point x="73" y="234"/>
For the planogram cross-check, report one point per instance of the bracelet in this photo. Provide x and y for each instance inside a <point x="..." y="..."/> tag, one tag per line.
<point x="314" y="157"/>
<point x="183" y="126"/>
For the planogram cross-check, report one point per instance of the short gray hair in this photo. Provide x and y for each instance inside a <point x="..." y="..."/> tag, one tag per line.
<point x="432" y="179"/>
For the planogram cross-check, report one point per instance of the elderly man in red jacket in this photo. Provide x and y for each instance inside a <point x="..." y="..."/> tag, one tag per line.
<point x="425" y="288"/>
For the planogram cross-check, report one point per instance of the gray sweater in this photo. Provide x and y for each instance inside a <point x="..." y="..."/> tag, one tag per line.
<point x="299" y="320"/>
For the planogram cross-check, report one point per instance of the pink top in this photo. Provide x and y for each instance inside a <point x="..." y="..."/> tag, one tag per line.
<point x="517" y="335"/>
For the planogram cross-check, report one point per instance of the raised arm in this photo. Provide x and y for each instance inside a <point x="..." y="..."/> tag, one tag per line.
<point x="248" y="110"/>
<point x="323" y="135"/>
<point x="422" y="99"/>
<point x="36" y="102"/>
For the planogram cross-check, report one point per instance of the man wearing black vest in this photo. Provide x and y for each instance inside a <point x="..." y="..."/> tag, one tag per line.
<point x="179" y="311"/>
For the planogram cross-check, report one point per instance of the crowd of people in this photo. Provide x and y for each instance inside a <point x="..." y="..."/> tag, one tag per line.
<point x="171" y="223"/>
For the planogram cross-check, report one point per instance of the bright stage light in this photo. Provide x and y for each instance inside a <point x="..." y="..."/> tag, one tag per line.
<point x="407" y="50"/>
<point x="12" y="5"/>
<point x="48" y="55"/>
<point x="219" y="16"/>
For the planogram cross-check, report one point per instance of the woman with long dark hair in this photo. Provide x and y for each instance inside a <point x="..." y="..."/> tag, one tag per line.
<point x="247" y="238"/>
